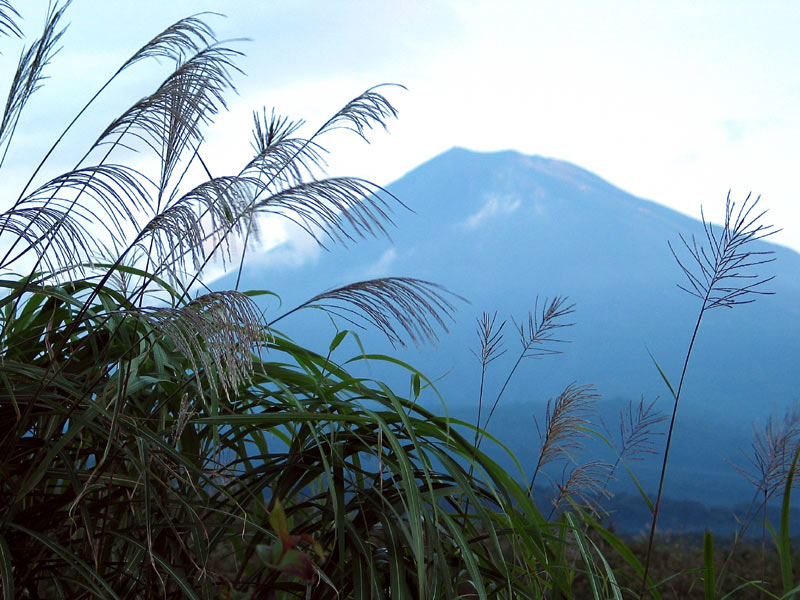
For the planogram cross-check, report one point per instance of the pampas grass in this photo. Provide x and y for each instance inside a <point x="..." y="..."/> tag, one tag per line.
<point x="720" y="274"/>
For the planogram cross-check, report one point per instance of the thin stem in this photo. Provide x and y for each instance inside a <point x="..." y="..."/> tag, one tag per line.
<point x="480" y="407"/>
<point x="668" y="445"/>
<point x="536" y="472"/>
<point x="503" y="389"/>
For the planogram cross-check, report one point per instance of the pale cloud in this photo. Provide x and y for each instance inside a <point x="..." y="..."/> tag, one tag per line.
<point x="381" y="267"/>
<point x="285" y="244"/>
<point x="293" y="253"/>
<point x="495" y="205"/>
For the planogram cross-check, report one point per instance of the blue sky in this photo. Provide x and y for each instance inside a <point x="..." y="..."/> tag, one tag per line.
<point x="677" y="102"/>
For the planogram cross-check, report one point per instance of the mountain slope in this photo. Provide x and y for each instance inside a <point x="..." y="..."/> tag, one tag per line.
<point x="501" y="229"/>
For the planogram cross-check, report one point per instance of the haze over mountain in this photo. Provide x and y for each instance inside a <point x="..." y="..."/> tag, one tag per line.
<point x="501" y="229"/>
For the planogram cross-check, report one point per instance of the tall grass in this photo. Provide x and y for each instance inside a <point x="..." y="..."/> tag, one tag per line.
<point x="158" y="441"/>
<point x="720" y="274"/>
<point x="721" y="271"/>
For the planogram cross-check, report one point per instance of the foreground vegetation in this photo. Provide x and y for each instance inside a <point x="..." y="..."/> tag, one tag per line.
<point x="163" y="442"/>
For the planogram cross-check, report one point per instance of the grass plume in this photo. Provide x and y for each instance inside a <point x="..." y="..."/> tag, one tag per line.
<point x="399" y="307"/>
<point x="720" y="274"/>
<point x="537" y="337"/>
<point x="567" y="422"/>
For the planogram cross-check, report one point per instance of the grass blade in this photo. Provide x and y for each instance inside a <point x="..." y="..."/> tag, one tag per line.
<point x="784" y="535"/>
<point x="709" y="577"/>
<point x="6" y="572"/>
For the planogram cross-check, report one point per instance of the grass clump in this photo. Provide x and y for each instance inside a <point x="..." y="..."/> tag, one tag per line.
<point x="159" y="441"/>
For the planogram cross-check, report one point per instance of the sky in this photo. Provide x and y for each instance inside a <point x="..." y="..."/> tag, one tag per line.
<point x="677" y="102"/>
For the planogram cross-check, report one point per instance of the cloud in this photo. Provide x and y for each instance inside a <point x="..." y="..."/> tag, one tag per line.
<point x="380" y="268"/>
<point x="495" y="205"/>
<point x="293" y="253"/>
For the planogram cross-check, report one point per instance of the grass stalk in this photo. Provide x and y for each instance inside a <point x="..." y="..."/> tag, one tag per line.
<point x="717" y="274"/>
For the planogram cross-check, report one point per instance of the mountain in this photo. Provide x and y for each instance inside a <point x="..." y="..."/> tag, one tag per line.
<point x="501" y="229"/>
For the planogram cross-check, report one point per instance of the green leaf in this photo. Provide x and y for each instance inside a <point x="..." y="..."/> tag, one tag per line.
<point x="6" y="572"/>
<point x="279" y="523"/>
<point x="663" y="376"/>
<point x="583" y="549"/>
<point x="642" y="493"/>
<point x="622" y="549"/>
<point x="337" y="340"/>
<point x="177" y="577"/>
<point x="297" y="563"/>
<point x="264" y="553"/>
<point x="784" y="534"/>
<point x="256" y="293"/>
<point x="81" y="568"/>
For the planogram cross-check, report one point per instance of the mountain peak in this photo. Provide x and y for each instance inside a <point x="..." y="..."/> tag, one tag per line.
<point x="465" y="182"/>
<point x="513" y="160"/>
